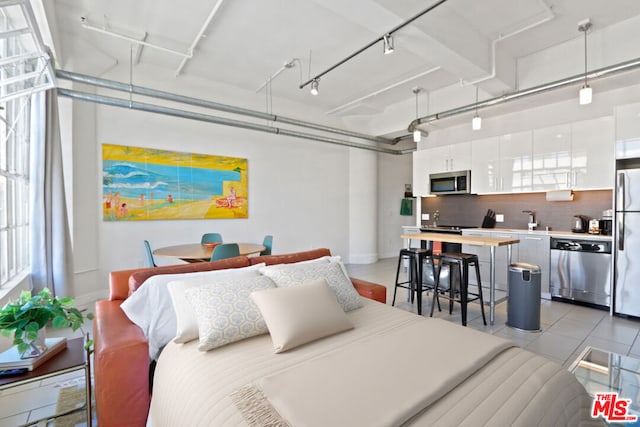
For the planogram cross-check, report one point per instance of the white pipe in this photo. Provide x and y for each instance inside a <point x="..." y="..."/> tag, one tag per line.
<point x="86" y="25"/>
<point x="286" y="66"/>
<point x="199" y="36"/>
<point x="379" y="91"/>
<point x="504" y="37"/>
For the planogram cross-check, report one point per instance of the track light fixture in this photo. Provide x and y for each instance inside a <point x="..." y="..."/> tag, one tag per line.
<point x="387" y="39"/>
<point x="314" y="87"/>
<point x="388" y="42"/>
<point x="586" y="93"/>
<point x="417" y="135"/>
<point x="476" y="122"/>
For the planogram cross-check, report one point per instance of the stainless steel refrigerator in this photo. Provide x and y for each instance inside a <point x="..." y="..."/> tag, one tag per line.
<point x="627" y="238"/>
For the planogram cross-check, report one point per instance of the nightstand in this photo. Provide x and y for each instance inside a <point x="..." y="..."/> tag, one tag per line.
<point x="73" y="358"/>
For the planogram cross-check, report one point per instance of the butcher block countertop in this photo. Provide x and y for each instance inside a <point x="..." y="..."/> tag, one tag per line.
<point x="465" y="240"/>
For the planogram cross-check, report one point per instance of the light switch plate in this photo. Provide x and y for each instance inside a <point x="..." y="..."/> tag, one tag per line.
<point x="499" y="217"/>
<point x="425" y="217"/>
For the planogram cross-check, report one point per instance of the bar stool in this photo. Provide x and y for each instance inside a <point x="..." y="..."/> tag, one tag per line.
<point x="462" y="261"/>
<point x="416" y="257"/>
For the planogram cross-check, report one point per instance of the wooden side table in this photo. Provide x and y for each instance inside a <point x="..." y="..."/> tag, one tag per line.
<point x="72" y="358"/>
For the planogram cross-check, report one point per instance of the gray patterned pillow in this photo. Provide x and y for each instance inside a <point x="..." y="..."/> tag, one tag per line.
<point x="225" y="311"/>
<point x="291" y="275"/>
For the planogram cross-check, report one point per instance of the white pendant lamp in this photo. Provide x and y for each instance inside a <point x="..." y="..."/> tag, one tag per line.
<point x="586" y="93"/>
<point x="476" y="122"/>
<point x="417" y="135"/>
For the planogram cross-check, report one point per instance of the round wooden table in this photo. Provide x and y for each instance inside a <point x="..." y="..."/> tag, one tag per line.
<point x="197" y="252"/>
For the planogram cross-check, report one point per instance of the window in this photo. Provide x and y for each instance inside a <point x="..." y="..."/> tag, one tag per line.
<point x="14" y="188"/>
<point x="24" y="70"/>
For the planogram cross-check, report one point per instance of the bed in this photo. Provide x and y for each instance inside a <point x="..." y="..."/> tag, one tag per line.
<point x="392" y="368"/>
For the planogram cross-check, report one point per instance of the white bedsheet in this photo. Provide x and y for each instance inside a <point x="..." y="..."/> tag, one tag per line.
<point x="514" y="388"/>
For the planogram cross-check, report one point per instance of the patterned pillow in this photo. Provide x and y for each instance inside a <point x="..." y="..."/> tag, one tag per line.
<point x="291" y="275"/>
<point x="225" y="311"/>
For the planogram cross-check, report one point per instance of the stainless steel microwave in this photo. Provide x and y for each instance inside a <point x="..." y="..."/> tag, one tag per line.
<point x="450" y="182"/>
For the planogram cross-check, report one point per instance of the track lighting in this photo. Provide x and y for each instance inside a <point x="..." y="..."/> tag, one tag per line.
<point x="586" y="93"/>
<point x="314" y="87"/>
<point x="476" y="122"/>
<point x="388" y="44"/>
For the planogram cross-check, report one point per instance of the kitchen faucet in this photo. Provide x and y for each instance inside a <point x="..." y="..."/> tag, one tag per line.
<point x="532" y="224"/>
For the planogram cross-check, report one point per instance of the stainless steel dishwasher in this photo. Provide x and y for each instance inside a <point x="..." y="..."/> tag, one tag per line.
<point x="581" y="271"/>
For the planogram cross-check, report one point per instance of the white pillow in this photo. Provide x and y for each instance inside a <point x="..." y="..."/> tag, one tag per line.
<point x="151" y="308"/>
<point x="327" y="258"/>
<point x="300" y="314"/>
<point x="294" y="274"/>
<point x="225" y="311"/>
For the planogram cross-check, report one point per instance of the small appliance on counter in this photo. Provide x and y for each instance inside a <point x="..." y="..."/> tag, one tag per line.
<point x="579" y="224"/>
<point x="606" y="223"/>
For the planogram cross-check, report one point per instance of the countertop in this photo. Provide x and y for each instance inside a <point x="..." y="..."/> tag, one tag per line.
<point x="552" y="233"/>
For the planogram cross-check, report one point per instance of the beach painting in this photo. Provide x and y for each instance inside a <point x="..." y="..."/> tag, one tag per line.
<point x="140" y="184"/>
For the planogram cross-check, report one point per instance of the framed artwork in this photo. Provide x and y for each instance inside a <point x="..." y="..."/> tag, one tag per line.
<point x="140" y="184"/>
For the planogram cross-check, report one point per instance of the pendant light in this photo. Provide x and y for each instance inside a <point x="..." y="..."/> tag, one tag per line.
<point x="417" y="135"/>
<point x="476" y="122"/>
<point x="586" y="93"/>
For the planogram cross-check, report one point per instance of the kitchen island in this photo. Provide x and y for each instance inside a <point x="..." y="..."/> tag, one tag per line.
<point x="491" y="242"/>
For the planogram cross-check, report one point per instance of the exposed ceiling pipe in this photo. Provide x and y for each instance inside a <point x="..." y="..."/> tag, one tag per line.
<point x="85" y="24"/>
<point x="139" y="90"/>
<point x="151" y="108"/>
<point x="558" y="84"/>
<point x="204" y="27"/>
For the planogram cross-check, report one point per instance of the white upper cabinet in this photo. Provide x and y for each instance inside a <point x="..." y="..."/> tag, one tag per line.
<point x="516" y="162"/>
<point x="447" y="158"/>
<point x="627" y="131"/>
<point x="552" y="158"/>
<point x="502" y="164"/>
<point x="485" y="165"/>
<point x="592" y="153"/>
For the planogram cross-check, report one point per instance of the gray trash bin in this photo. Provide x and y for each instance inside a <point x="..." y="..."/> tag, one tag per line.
<point x="523" y="301"/>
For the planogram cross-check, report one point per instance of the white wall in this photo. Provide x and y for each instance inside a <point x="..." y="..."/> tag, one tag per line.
<point x="299" y="191"/>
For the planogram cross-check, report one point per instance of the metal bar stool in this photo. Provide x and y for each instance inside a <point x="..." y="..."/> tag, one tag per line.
<point x="414" y="284"/>
<point x="462" y="261"/>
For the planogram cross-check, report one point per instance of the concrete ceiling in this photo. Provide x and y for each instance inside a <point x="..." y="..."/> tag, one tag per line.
<point x="247" y="41"/>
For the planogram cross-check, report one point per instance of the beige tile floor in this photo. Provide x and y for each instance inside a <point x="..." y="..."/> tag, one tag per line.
<point x="566" y="328"/>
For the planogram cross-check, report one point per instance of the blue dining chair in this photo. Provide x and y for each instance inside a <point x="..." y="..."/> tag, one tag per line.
<point x="225" y="250"/>
<point x="211" y="238"/>
<point x="150" y="260"/>
<point x="268" y="244"/>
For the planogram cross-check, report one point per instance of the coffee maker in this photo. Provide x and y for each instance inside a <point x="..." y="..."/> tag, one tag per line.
<point x="606" y="223"/>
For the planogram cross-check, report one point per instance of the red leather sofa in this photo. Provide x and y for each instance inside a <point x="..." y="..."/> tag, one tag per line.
<point x="121" y="354"/>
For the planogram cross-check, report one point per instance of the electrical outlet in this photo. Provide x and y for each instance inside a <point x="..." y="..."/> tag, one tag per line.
<point x="499" y="217"/>
<point x="425" y="217"/>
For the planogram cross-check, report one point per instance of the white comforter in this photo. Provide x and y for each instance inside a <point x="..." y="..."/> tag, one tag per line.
<point x="514" y="387"/>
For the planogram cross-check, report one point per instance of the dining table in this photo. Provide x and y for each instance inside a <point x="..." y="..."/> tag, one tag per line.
<point x="491" y="242"/>
<point x="198" y="252"/>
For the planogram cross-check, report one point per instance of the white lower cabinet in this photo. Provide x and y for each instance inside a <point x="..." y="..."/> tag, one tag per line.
<point x="533" y="249"/>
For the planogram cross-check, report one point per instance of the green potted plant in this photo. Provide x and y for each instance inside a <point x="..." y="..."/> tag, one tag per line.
<point x="29" y="314"/>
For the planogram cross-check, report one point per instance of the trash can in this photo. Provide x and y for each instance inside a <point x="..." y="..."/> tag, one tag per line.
<point x="523" y="300"/>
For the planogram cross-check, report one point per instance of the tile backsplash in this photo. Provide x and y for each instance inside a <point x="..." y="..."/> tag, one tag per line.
<point x="469" y="210"/>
